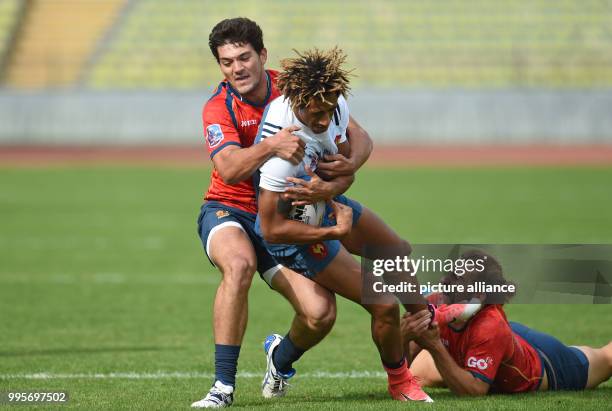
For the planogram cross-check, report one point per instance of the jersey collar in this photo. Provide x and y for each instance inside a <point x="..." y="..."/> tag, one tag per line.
<point x="252" y="103"/>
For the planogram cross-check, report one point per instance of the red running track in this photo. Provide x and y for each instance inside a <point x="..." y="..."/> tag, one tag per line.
<point x="383" y="156"/>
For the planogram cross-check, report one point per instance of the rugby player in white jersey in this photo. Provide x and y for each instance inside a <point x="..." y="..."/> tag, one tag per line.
<point x="314" y="87"/>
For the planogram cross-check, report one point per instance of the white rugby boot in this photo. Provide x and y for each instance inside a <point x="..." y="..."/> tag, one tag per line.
<point x="274" y="383"/>
<point x="219" y="396"/>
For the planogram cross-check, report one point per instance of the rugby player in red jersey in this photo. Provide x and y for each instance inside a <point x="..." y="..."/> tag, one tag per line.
<point x="489" y="354"/>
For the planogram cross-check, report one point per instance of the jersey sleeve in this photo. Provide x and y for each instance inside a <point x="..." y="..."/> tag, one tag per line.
<point x="273" y="120"/>
<point x="487" y="347"/>
<point x="274" y="174"/>
<point x="219" y="129"/>
<point x="341" y="116"/>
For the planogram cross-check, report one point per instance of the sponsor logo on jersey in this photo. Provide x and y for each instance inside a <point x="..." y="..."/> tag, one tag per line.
<point x="246" y="123"/>
<point x="214" y="135"/>
<point x="222" y="213"/>
<point x="318" y="250"/>
<point x="480" y="363"/>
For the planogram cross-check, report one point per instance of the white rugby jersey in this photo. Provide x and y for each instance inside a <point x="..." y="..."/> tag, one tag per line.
<point x="279" y="115"/>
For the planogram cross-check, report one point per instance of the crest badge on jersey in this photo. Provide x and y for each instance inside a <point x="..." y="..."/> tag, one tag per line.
<point x="318" y="251"/>
<point x="313" y="161"/>
<point x="214" y="135"/>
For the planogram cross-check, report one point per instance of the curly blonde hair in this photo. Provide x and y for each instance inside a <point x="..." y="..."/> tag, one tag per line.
<point x="313" y="74"/>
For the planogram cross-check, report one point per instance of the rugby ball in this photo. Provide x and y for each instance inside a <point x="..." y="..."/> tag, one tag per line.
<point x="311" y="214"/>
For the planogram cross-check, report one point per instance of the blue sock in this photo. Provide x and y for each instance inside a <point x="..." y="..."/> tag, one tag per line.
<point x="226" y="363"/>
<point x="286" y="354"/>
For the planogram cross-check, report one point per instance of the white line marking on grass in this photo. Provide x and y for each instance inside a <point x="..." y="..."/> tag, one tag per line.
<point x="111" y="278"/>
<point x="161" y="375"/>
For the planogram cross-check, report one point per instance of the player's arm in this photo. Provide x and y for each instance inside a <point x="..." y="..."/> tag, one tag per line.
<point x="411" y="327"/>
<point x="277" y="228"/>
<point x="317" y="189"/>
<point x="347" y="163"/>
<point x="361" y="144"/>
<point x="236" y="164"/>
<point x="459" y="380"/>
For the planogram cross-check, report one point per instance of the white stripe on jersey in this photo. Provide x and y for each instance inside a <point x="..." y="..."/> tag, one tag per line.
<point x="269" y="129"/>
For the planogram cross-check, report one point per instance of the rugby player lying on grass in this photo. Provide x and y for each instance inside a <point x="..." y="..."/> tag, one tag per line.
<point x="489" y="354"/>
<point x="314" y="87"/>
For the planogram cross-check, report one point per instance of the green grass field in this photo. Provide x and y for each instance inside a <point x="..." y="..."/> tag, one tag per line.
<point x="104" y="286"/>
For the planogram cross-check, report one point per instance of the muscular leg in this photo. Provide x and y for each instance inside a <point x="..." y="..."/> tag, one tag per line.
<point x="600" y="364"/>
<point x="314" y="305"/>
<point x="343" y="276"/>
<point x="372" y="234"/>
<point x="372" y="230"/>
<point x="232" y="252"/>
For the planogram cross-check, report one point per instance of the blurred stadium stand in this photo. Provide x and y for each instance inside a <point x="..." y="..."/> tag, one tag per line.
<point x="9" y="12"/>
<point x="446" y="43"/>
<point x="54" y="40"/>
<point x="391" y="43"/>
<point x="459" y="58"/>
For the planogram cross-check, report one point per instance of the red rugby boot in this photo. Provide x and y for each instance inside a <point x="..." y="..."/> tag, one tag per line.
<point x="403" y="386"/>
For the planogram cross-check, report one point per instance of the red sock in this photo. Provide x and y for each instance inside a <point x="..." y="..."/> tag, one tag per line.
<point x="398" y="376"/>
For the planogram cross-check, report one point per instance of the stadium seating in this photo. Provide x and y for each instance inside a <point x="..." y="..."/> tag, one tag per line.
<point x="8" y="15"/>
<point x="158" y="44"/>
<point x="450" y="43"/>
<point x="56" y="40"/>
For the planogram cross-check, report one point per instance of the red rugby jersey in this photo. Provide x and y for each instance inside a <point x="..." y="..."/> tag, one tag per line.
<point x="229" y="120"/>
<point x="489" y="349"/>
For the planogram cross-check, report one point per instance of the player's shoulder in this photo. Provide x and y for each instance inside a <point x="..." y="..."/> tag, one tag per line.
<point x="216" y="102"/>
<point x="273" y="75"/>
<point x="276" y="116"/>
<point x="342" y="103"/>
<point x="278" y="102"/>
<point x="490" y="314"/>
<point x="278" y="110"/>
<point x="490" y="322"/>
<point x="341" y="114"/>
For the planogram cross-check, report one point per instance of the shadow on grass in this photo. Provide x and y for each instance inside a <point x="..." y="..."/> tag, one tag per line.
<point x="81" y="350"/>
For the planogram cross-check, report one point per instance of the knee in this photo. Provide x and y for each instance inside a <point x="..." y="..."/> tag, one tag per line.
<point x="321" y="322"/>
<point x="238" y="273"/>
<point x="386" y="313"/>
<point x="397" y="247"/>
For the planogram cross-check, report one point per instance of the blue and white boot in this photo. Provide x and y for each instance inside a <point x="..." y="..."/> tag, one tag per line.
<point x="219" y="396"/>
<point x="274" y="383"/>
